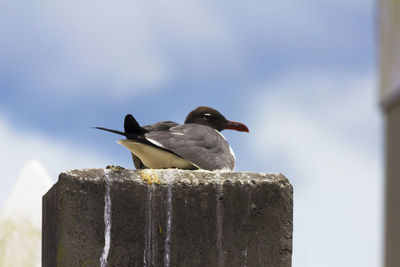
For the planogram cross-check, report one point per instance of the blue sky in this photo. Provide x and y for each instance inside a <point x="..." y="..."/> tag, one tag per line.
<point x="302" y="76"/>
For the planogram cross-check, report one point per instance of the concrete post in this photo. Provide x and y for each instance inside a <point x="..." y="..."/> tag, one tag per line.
<point x="167" y="218"/>
<point x="389" y="57"/>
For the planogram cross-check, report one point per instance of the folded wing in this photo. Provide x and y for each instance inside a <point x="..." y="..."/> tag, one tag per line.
<point x="201" y="145"/>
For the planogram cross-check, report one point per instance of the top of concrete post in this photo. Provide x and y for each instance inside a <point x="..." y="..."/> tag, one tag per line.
<point x="171" y="176"/>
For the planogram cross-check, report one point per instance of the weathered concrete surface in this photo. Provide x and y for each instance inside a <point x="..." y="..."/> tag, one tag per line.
<point x="184" y="218"/>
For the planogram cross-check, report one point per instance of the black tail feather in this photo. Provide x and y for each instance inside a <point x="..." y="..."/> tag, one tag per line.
<point x="131" y="126"/>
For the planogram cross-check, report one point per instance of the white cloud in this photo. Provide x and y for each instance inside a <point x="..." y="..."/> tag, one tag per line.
<point x="19" y="147"/>
<point x="323" y="130"/>
<point x="118" y="48"/>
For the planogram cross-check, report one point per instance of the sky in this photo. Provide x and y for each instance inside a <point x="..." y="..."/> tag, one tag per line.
<point x="302" y="76"/>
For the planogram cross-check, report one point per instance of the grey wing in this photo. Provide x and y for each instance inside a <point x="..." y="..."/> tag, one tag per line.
<point x="161" y="126"/>
<point x="201" y="145"/>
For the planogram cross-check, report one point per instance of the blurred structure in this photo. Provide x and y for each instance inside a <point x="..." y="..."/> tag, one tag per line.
<point x="390" y="100"/>
<point x="20" y="218"/>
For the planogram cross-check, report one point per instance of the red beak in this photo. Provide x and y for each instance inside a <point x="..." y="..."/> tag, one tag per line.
<point x="233" y="125"/>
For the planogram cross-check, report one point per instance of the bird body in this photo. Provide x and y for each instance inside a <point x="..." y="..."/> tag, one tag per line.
<point x="197" y="144"/>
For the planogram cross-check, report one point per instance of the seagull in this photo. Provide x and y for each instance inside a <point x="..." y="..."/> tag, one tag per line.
<point x="196" y="144"/>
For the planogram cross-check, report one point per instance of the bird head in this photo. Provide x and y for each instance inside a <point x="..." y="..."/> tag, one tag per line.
<point x="212" y="118"/>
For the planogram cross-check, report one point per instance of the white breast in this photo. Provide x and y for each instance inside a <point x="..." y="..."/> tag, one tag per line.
<point x="230" y="148"/>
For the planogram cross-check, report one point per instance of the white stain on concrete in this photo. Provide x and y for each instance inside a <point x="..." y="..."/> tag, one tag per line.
<point x="168" y="228"/>
<point x="220" y="220"/>
<point x="245" y="257"/>
<point x="107" y="222"/>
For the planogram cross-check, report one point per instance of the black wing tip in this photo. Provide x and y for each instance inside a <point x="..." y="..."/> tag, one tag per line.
<point x="101" y="128"/>
<point x="109" y="130"/>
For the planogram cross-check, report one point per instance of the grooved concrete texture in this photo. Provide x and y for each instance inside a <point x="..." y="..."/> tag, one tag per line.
<point x="168" y="218"/>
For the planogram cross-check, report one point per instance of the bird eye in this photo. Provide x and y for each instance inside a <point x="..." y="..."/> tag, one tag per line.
<point x="206" y="116"/>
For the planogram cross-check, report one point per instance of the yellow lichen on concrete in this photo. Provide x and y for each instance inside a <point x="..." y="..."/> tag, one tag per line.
<point x="60" y="254"/>
<point x="115" y="168"/>
<point x="159" y="229"/>
<point x="149" y="176"/>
